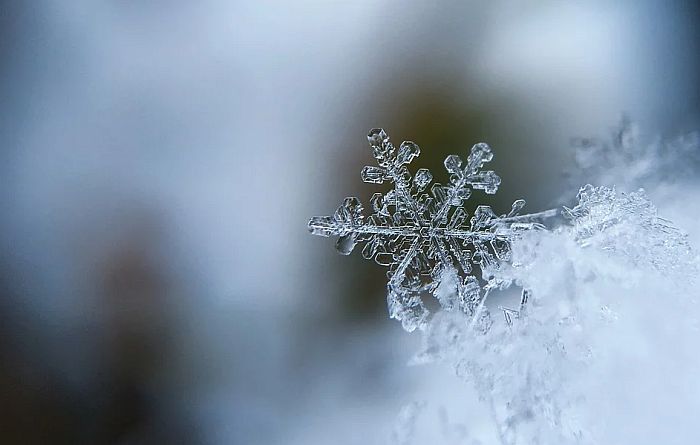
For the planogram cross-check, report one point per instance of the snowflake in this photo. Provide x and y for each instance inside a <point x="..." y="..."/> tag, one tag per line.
<point x="426" y="239"/>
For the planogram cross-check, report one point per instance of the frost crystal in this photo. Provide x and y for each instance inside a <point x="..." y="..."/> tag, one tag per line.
<point x="627" y="225"/>
<point x="426" y="238"/>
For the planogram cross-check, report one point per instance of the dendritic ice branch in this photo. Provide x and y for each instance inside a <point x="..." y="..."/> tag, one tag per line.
<point x="424" y="237"/>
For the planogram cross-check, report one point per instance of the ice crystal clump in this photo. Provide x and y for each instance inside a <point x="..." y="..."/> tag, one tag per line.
<point x="603" y="288"/>
<point x="627" y="224"/>
<point x="423" y="234"/>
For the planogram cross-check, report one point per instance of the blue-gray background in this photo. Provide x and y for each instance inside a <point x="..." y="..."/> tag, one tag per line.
<point x="160" y="160"/>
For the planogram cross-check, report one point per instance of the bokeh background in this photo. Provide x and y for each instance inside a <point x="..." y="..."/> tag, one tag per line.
<point x="160" y="160"/>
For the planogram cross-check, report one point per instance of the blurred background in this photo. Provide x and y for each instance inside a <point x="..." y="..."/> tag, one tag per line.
<point x="160" y="161"/>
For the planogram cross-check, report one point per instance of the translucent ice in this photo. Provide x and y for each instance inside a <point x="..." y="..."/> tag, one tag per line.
<point x="425" y="237"/>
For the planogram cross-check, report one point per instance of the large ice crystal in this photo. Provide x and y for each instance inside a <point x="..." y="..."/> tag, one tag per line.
<point x="425" y="236"/>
